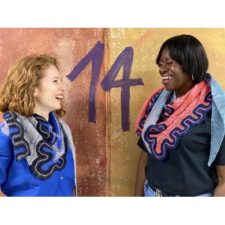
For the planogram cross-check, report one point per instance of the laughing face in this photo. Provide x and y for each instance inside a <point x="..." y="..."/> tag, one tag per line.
<point x="173" y="77"/>
<point x="49" y="93"/>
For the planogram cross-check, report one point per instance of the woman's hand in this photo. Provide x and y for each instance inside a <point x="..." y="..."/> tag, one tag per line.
<point x="220" y="189"/>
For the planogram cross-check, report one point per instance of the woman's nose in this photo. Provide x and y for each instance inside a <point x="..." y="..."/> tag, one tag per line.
<point x="163" y="69"/>
<point x="62" y="86"/>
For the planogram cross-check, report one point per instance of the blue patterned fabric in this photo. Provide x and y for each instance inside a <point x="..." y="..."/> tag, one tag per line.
<point x="34" y="160"/>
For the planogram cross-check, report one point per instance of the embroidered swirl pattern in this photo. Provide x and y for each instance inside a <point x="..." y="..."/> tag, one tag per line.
<point x="50" y="149"/>
<point x="198" y="115"/>
<point x="21" y="146"/>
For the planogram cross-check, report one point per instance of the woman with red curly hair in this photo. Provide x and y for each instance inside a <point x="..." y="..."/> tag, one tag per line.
<point x="37" y="155"/>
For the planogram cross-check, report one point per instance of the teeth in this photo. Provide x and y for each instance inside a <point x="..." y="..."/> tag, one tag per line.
<point x="166" y="77"/>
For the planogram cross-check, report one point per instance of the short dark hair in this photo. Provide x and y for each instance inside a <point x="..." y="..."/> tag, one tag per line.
<point x="189" y="53"/>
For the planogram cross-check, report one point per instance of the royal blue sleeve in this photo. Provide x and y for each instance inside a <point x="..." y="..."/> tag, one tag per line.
<point x="5" y="155"/>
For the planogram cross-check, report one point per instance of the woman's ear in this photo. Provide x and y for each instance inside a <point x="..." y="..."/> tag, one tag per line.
<point x="35" y="92"/>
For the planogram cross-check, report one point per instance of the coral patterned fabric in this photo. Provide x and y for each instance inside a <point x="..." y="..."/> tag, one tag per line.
<point x="174" y="120"/>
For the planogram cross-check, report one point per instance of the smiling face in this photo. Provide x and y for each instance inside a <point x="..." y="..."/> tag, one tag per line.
<point x="173" y="77"/>
<point x="49" y="93"/>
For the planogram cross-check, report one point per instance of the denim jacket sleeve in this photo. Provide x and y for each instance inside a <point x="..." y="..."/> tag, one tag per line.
<point x="5" y="154"/>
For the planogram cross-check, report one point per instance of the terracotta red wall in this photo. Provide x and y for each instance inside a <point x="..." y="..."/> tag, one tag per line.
<point x="70" y="46"/>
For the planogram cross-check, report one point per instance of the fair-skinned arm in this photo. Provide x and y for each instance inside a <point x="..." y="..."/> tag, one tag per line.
<point x="220" y="189"/>
<point x="140" y="177"/>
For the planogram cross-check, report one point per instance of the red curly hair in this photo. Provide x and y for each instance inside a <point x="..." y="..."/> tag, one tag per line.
<point x="17" y="92"/>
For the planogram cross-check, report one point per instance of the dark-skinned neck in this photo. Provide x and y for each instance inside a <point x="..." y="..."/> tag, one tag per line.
<point x="185" y="89"/>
